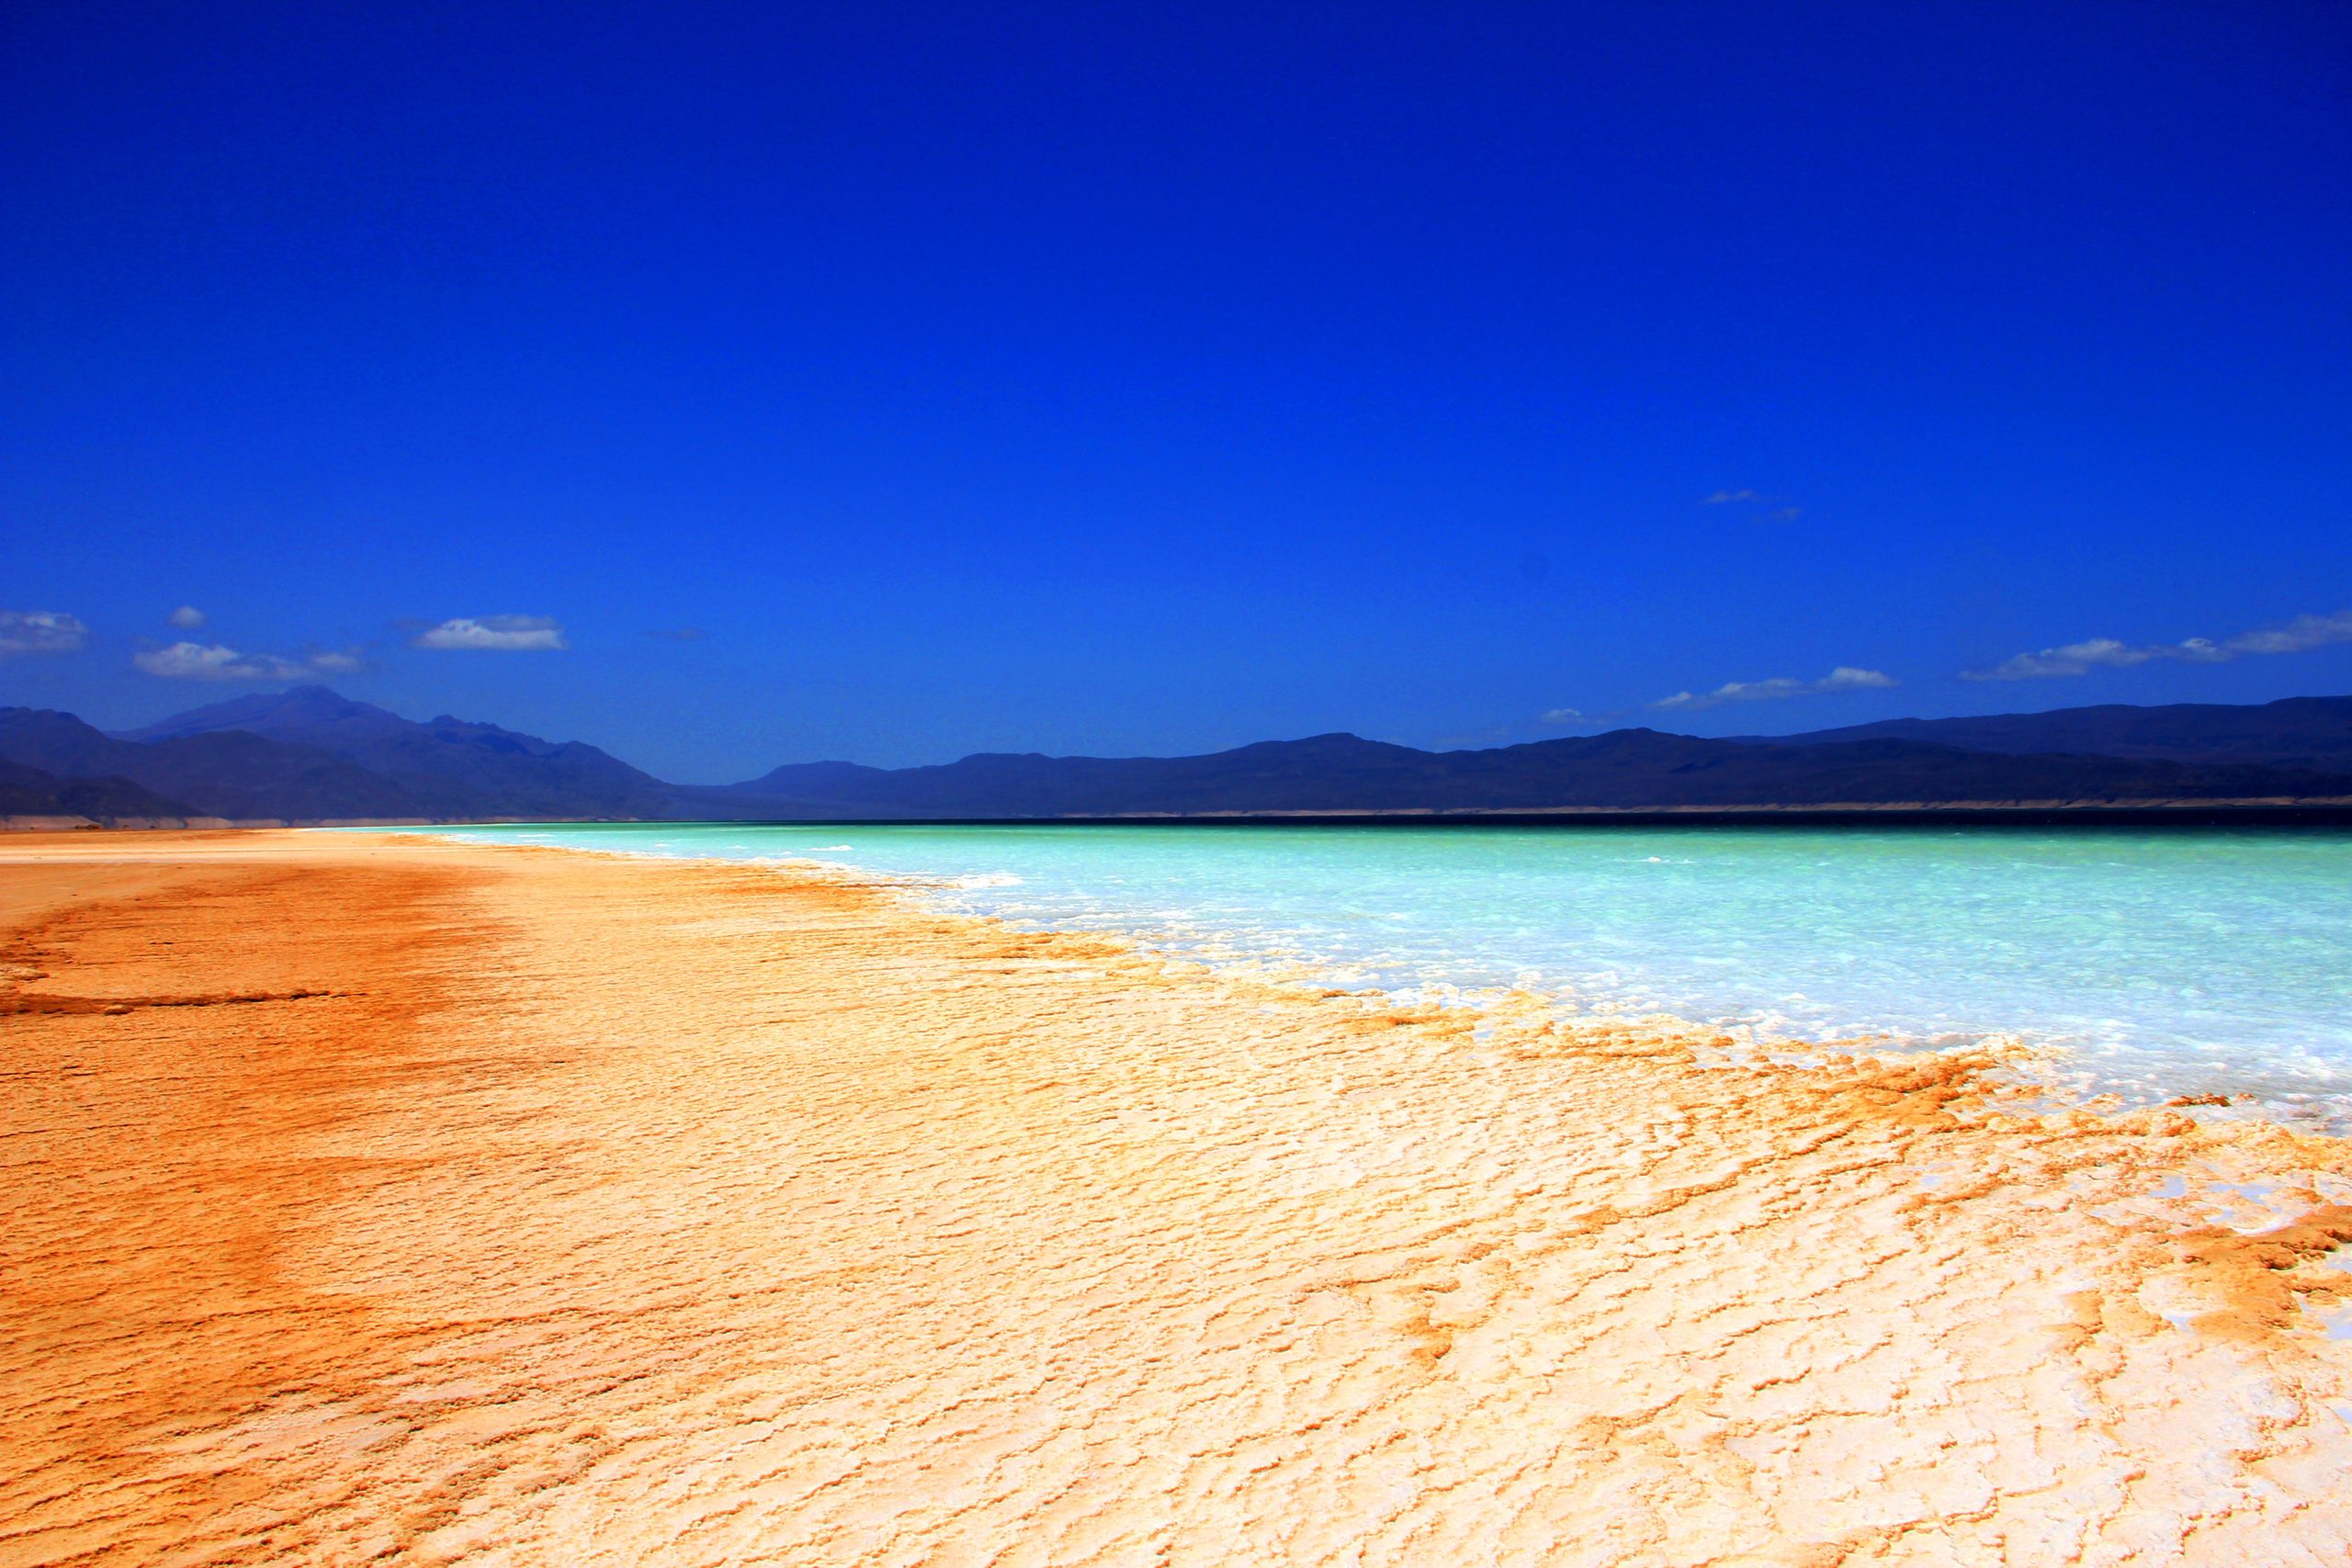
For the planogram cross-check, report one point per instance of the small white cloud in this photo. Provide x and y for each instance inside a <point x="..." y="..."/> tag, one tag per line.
<point x="333" y="662"/>
<point x="1759" y="506"/>
<point x="187" y="618"/>
<point x="2074" y="659"/>
<point x="1845" y="678"/>
<point x="500" y="634"/>
<point x="1734" y="692"/>
<point x="195" y="661"/>
<point x="40" y="631"/>
<point x="1562" y="716"/>
<point x="2297" y="635"/>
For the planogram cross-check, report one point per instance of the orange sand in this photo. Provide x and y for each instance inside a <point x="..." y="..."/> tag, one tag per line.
<point x="383" y="1199"/>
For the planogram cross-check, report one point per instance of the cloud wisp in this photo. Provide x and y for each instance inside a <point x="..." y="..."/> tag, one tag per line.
<point x="1845" y="678"/>
<point x="1756" y="503"/>
<point x="2297" y="635"/>
<point x="203" y="661"/>
<point x="494" y="634"/>
<point x="187" y="618"/>
<point x="40" y="631"/>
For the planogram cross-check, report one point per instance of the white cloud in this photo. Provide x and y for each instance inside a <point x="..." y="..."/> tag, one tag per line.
<point x="195" y="661"/>
<point x="1562" y="716"/>
<point x="2074" y="659"/>
<point x="199" y="662"/>
<point x="187" y="618"/>
<point x="2297" y="635"/>
<point x="502" y="634"/>
<point x="1734" y="692"/>
<point x="1845" y="678"/>
<point x="40" y="631"/>
<point x="1723" y="497"/>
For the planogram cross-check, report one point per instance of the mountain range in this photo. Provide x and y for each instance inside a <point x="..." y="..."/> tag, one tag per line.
<point x="2315" y="733"/>
<point x="309" y="755"/>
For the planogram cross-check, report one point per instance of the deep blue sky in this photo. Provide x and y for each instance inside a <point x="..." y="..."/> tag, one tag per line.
<point x="1157" y="377"/>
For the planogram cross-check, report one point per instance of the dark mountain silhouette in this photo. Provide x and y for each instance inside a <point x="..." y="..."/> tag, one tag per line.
<point x="227" y="774"/>
<point x="29" y="792"/>
<point x="445" y="768"/>
<point x="1626" y="768"/>
<point x="2296" y="732"/>
<point x="309" y="755"/>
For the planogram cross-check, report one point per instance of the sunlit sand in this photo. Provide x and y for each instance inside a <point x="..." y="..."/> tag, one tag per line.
<point x="382" y="1199"/>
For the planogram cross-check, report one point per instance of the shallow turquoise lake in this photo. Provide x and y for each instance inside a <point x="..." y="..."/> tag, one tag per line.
<point x="2148" y="963"/>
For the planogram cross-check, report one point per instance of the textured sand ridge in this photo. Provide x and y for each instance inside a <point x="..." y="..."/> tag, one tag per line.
<point x="377" y="1200"/>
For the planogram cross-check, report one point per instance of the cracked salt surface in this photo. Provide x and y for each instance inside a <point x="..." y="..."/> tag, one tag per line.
<point x="738" y="1216"/>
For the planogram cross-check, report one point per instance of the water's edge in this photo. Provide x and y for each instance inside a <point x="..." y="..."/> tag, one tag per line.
<point x="1743" y="925"/>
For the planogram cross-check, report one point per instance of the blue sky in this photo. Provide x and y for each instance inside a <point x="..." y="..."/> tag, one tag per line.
<point x="1160" y="378"/>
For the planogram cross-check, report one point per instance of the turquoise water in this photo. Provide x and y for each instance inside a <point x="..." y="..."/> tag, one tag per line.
<point x="2149" y="964"/>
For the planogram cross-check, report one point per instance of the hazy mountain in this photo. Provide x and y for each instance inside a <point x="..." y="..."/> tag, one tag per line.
<point x="311" y="755"/>
<point x="1630" y="768"/>
<point x="224" y="773"/>
<point x="29" y="792"/>
<point x="2298" y="732"/>
<point x="448" y="767"/>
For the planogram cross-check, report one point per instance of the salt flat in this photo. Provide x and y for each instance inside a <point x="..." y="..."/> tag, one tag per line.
<point x="384" y="1199"/>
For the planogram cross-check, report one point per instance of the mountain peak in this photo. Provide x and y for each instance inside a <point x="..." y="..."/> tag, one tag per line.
<point x="446" y="769"/>
<point x="264" y="712"/>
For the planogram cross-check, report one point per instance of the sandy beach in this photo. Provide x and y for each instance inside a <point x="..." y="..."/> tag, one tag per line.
<point x="376" y="1199"/>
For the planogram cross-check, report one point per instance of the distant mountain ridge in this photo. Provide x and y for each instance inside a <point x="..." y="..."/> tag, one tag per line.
<point x="311" y="755"/>
<point x="1624" y="770"/>
<point x="229" y="773"/>
<point x="28" y="793"/>
<point x="445" y="767"/>
<point x="2315" y="733"/>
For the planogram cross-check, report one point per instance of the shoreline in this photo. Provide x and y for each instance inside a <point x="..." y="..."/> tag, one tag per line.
<point x="2026" y="1068"/>
<point x="2186" y="811"/>
<point x="692" y="1208"/>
